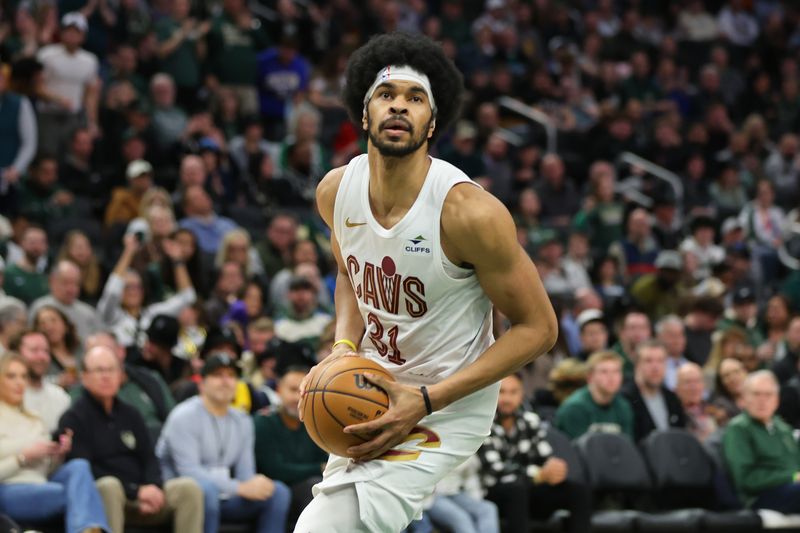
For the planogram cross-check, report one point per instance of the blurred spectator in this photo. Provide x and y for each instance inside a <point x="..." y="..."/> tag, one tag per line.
<point x="302" y="319"/>
<point x="157" y="351"/>
<point x="126" y="201"/>
<point x="728" y="398"/>
<point x="560" y="277"/>
<point x="763" y="223"/>
<point x="782" y="168"/>
<point x="737" y="25"/>
<point x="37" y="484"/>
<point x="655" y="407"/>
<point x="462" y="151"/>
<point x="593" y="332"/>
<point x="180" y="49"/>
<point x="560" y="201"/>
<point x="637" y="251"/>
<point x="40" y="197"/>
<point x="112" y="436"/>
<point x="523" y="477"/>
<point x="701" y="245"/>
<point x="283" y="449"/>
<point x="234" y="41"/>
<point x="17" y="138"/>
<point x="459" y="504"/>
<point x="229" y="284"/>
<point x="690" y="389"/>
<point x="743" y="315"/>
<point x="276" y="249"/>
<point x="598" y="406"/>
<point x="602" y="218"/>
<point x="13" y="319"/>
<point x="169" y="120"/>
<point x="42" y="398"/>
<point x="202" y="221"/>
<point x="225" y="468"/>
<point x="658" y="294"/>
<point x="65" y="287"/>
<point x="760" y="450"/>
<point x="775" y="324"/>
<point x="787" y="366"/>
<point x="141" y="388"/>
<point x="65" y="346"/>
<point x="635" y="330"/>
<point x="23" y="278"/>
<point x="124" y="307"/>
<point x="670" y="331"/>
<point x="78" y="248"/>
<point x="283" y="76"/>
<point x="71" y="78"/>
<point x="236" y="247"/>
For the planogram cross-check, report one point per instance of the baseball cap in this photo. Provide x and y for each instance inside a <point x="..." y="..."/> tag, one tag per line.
<point x="218" y="360"/>
<point x="218" y="337"/>
<point x="731" y="224"/>
<point x="587" y="316"/>
<point x="744" y="295"/>
<point x="76" y="20"/>
<point x="669" y="259"/>
<point x="163" y="331"/>
<point x="137" y="168"/>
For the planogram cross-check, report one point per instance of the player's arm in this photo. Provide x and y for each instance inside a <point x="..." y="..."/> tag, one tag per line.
<point x="479" y="230"/>
<point x="349" y="324"/>
<point x="476" y="229"/>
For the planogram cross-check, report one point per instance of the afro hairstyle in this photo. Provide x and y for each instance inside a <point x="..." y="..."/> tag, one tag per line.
<point x="417" y="52"/>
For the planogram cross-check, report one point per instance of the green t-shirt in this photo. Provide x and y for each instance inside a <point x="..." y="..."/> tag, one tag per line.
<point x="182" y="63"/>
<point x="603" y="224"/>
<point x="284" y="454"/>
<point x="580" y="414"/>
<point x="27" y="286"/>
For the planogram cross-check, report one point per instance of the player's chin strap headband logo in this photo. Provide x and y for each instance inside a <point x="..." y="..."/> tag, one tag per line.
<point x="403" y="73"/>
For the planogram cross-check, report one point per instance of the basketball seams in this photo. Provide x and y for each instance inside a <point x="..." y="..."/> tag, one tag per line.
<point x="336" y="419"/>
<point x="325" y="391"/>
<point x="367" y="368"/>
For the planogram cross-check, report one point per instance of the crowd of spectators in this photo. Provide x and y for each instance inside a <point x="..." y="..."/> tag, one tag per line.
<point x="159" y="244"/>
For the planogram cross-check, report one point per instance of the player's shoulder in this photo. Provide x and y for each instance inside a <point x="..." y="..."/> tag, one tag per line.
<point x="472" y="214"/>
<point x="327" y="189"/>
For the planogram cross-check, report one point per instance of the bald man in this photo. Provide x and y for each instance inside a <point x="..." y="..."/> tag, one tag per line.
<point x="690" y="388"/>
<point x="113" y="437"/>
<point x="762" y="455"/>
<point x="65" y="288"/>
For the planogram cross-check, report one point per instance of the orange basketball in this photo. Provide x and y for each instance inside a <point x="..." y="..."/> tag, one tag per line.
<point x="338" y="396"/>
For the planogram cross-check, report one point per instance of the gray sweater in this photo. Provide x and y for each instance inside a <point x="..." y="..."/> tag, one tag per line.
<point x="208" y="448"/>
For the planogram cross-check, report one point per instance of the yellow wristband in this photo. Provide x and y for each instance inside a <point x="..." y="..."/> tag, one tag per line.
<point x="350" y="344"/>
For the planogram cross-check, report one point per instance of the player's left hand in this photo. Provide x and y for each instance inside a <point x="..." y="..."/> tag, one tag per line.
<point x="406" y="408"/>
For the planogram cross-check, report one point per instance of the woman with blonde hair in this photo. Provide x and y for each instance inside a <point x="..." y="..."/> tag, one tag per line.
<point x="237" y="247"/>
<point x="78" y="248"/>
<point x="724" y="345"/>
<point x="36" y="485"/>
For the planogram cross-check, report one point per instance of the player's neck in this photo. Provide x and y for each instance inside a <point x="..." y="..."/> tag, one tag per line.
<point x="395" y="182"/>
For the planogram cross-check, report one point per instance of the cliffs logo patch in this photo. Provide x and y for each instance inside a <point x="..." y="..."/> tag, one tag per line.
<point x="417" y="246"/>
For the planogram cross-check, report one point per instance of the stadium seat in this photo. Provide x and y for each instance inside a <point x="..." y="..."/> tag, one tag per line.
<point x="681" y="520"/>
<point x="682" y="471"/>
<point x="563" y="448"/>
<point x="743" y="521"/>
<point x="614" y="521"/>
<point x="613" y="463"/>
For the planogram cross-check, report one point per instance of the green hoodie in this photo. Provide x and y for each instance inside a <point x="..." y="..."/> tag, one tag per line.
<point x="759" y="457"/>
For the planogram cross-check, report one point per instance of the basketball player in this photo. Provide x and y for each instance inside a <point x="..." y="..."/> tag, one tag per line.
<point x="423" y="254"/>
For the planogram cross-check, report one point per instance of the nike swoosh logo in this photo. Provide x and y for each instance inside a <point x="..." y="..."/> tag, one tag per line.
<point x="353" y="224"/>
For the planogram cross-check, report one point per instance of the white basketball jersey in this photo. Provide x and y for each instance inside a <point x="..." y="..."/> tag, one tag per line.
<point x="425" y="317"/>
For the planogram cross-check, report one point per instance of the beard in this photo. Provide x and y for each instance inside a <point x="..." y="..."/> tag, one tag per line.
<point x="393" y="149"/>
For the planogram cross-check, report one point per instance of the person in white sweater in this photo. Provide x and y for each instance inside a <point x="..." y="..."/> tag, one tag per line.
<point x="122" y="305"/>
<point x="35" y="484"/>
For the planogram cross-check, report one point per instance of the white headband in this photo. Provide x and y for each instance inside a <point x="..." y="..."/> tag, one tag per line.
<point x="404" y="73"/>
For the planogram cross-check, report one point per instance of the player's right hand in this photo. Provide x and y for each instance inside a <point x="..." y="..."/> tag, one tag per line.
<point x="339" y="351"/>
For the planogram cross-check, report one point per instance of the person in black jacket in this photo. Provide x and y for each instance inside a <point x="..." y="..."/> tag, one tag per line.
<point x="654" y="405"/>
<point x="113" y="437"/>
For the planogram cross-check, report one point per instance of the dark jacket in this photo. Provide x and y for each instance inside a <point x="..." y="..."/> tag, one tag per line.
<point x="116" y="444"/>
<point x="643" y="423"/>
